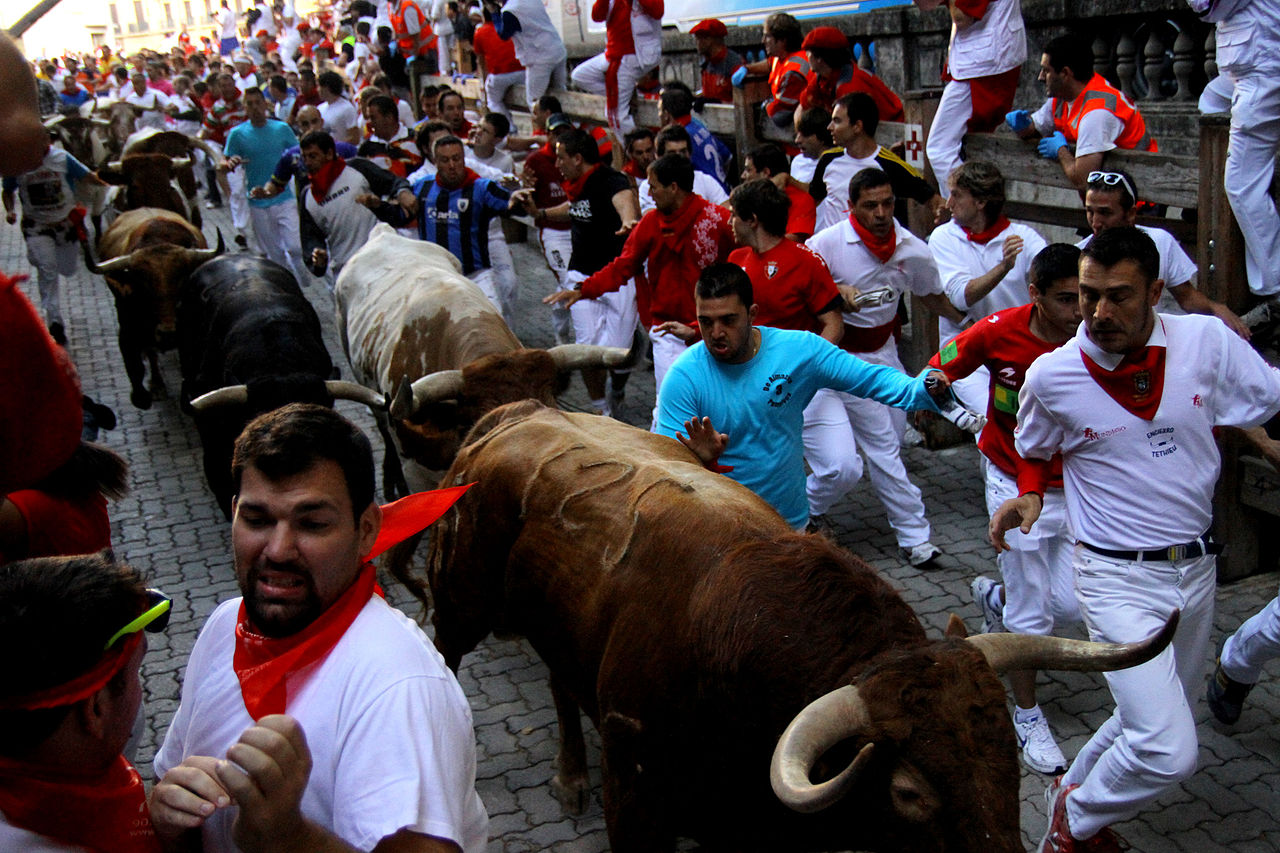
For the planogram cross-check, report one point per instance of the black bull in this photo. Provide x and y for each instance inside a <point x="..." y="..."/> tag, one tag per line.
<point x="681" y="613"/>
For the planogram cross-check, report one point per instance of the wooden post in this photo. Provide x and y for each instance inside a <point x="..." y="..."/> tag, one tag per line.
<point x="1220" y="245"/>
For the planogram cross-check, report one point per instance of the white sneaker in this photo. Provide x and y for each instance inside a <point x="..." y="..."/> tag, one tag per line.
<point x="920" y="554"/>
<point x="1039" y="750"/>
<point x="986" y="594"/>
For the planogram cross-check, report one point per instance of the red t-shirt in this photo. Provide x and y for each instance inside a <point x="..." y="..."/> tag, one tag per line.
<point x="547" y="189"/>
<point x="790" y="283"/>
<point x="802" y="218"/>
<point x="499" y="55"/>
<point x="59" y="526"/>
<point x="1006" y="346"/>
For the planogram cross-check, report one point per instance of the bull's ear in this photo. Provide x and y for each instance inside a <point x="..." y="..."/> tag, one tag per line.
<point x="955" y="628"/>
<point x="118" y="286"/>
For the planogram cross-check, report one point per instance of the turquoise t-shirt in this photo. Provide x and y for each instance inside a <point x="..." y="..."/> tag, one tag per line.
<point x="261" y="148"/>
<point x="760" y="405"/>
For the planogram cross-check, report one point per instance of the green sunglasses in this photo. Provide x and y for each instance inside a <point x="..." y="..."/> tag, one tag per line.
<point x="154" y="619"/>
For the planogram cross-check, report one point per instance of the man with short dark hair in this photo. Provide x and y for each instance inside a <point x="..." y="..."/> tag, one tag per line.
<point x="1110" y="202"/>
<point x="390" y="145"/>
<point x="341" y="727"/>
<point x="835" y="74"/>
<point x="754" y="382"/>
<point x="641" y="151"/>
<point x="709" y="154"/>
<point x="717" y="61"/>
<point x="341" y="119"/>
<point x="67" y="710"/>
<point x="674" y="139"/>
<point x="485" y="138"/>
<point x="812" y="138"/>
<point x="1037" y="591"/>
<point x="1084" y="116"/>
<point x="853" y="128"/>
<point x="452" y="111"/>
<point x="785" y="63"/>
<point x="770" y="162"/>
<point x="683" y="235"/>
<point x="1134" y="398"/>
<point x="538" y="46"/>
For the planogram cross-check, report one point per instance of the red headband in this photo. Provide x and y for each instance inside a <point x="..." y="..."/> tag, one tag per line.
<point x="82" y="686"/>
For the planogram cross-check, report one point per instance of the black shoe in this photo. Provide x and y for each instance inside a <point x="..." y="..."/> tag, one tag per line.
<point x="242" y="242"/>
<point x="103" y="416"/>
<point x="1226" y="695"/>
<point x="58" y="334"/>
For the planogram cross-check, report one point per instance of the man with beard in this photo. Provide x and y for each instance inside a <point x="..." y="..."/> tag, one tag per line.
<point x="340" y="726"/>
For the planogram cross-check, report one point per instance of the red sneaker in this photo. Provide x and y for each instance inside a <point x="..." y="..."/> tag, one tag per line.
<point x="1058" y="838"/>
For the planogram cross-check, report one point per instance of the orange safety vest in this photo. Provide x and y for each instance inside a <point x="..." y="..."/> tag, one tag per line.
<point x="778" y="72"/>
<point x="1098" y="94"/>
<point x="411" y="45"/>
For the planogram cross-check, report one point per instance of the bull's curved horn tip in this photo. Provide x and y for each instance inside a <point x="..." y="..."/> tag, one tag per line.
<point x="402" y="403"/>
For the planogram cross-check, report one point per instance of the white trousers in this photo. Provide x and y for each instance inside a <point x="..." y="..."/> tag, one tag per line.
<point x="830" y="450"/>
<point x="488" y="284"/>
<point x="1216" y="97"/>
<point x="557" y="248"/>
<point x="590" y="77"/>
<point x="539" y="77"/>
<point x="1251" y="161"/>
<point x="946" y="134"/>
<point x="496" y="87"/>
<point x="504" y="273"/>
<point x="609" y="321"/>
<point x="52" y="259"/>
<point x="1039" y="587"/>
<point x="239" y="200"/>
<point x="666" y="349"/>
<point x="1256" y="642"/>
<point x="1148" y="745"/>
<point x="276" y="229"/>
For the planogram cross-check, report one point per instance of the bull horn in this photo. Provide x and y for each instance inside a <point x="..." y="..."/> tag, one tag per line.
<point x="585" y="356"/>
<point x="100" y="122"/>
<point x="432" y="388"/>
<point x="199" y="256"/>
<point x="341" y="390"/>
<point x="231" y="395"/>
<point x="115" y="165"/>
<point x="1012" y="652"/>
<point x="825" y="722"/>
<point x="89" y="262"/>
<point x="108" y="266"/>
<point x="180" y="162"/>
<point x="54" y="121"/>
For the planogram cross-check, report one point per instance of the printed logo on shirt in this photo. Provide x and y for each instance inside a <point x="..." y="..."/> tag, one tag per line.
<point x="1091" y="434"/>
<point x="771" y="269"/>
<point x="1161" y="441"/>
<point x="949" y="352"/>
<point x="1004" y="399"/>
<point x="1197" y="401"/>
<point x="778" y="387"/>
<point x="463" y="205"/>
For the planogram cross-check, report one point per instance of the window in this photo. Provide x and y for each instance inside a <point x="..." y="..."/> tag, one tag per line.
<point x="115" y="16"/>
<point x="186" y="13"/>
<point x="168" y="15"/>
<point x="139" y="15"/>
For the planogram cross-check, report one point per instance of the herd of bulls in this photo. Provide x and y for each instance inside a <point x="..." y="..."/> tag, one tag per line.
<point x="674" y="607"/>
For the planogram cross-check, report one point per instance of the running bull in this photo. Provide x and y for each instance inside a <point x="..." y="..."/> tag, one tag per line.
<point x="250" y="342"/>
<point x="691" y="624"/>
<point x="414" y="327"/>
<point x="147" y="256"/>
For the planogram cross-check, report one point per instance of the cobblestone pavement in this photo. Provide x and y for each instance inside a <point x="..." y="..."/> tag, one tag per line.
<point x="170" y="527"/>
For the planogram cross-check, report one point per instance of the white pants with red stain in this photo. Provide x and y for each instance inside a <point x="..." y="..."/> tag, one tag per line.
<point x="1039" y="583"/>
<point x="590" y="77"/>
<point x="1256" y="642"/>
<point x="1148" y="745"/>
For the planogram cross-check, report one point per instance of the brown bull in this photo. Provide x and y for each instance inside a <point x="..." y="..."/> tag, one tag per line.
<point x="150" y="179"/>
<point x="182" y="150"/>
<point x="691" y="624"/>
<point x="147" y="255"/>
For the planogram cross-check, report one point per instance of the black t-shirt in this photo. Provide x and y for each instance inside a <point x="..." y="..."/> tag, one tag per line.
<point x="595" y="221"/>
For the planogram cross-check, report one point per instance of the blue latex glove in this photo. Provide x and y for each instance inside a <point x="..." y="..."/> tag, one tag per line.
<point x="1051" y="145"/>
<point x="739" y="76"/>
<point x="1018" y="120"/>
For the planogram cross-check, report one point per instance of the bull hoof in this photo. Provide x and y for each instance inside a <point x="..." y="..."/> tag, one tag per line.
<point x="574" y="794"/>
<point x="141" y="398"/>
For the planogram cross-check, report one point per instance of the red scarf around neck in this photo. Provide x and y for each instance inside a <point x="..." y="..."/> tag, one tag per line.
<point x="1137" y="383"/>
<point x="263" y="664"/>
<point x="985" y="237"/>
<point x="104" y="811"/>
<point x="676" y="225"/>
<point x="467" y="180"/>
<point x="573" y="189"/>
<point x="324" y="177"/>
<point x="882" y="249"/>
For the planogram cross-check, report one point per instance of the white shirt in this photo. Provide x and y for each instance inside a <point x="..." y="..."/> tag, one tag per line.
<point x="339" y="117"/>
<point x="389" y="729"/>
<point x="835" y="204"/>
<point x="802" y="167"/>
<point x="346" y="224"/>
<point x="538" y="42"/>
<point x="1248" y="38"/>
<point x="500" y="160"/>
<point x="990" y="45"/>
<point x="1098" y="129"/>
<point x="266" y="22"/>
<point x="1212" y="378"/>
<point x="227" y="23"/>
<point x="245" y="81"/>
<point x="703" y="185"/>
<point x="910" y="269"/>
<point x="960" y="260"/>
<point x="152" y="102"/>
<point x="1176" y="266"/>
<point x="184" y="103"/>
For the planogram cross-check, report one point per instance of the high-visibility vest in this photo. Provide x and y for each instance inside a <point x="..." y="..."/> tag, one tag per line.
<point x="1098" y="94"/>
<point x="778" y="73"/>
<point x="411" y="45"/>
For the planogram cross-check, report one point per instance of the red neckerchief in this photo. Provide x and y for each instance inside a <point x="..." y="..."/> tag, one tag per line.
<point x="324" y="177"/>
<point x="264" y="664"/>
<point x="985" y="237"/>
<point x="675" y="226"/>
<point x="102" y="812"/>
<point x="882" y="249"/>
<point x="470" y="178"/>
<point x="632" y="168"/>
<point x="573" y="189"/>
<point x="1137" y="383"/>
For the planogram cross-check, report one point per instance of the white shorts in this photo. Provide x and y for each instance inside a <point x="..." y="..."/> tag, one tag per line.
<point x="609" y="321"/>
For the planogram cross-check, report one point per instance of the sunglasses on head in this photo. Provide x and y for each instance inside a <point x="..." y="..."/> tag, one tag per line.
<point x="154" y="619"/>
<point x="1112" y="179"/>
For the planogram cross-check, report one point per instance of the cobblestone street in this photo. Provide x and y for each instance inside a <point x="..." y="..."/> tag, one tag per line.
<point x="170" y="527"/>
